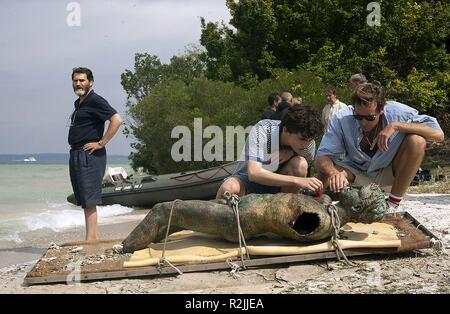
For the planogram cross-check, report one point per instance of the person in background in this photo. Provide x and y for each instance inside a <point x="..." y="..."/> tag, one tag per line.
<point x="87" y="161"/>
<point x="375" y="142"/>
<point x="287" y="100"/>
<point x="332" y="106"/>
<point x="274" y="99"/>
<point x="356" y="80"/>
<point x="298" y="101"/>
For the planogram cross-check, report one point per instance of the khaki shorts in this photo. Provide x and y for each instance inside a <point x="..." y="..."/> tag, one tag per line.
<point x="384" y="179"/>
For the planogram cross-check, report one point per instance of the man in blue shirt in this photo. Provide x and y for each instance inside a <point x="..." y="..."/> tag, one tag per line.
<point x="87" y="142"/>
<point x="375" y="141"/>
<point x="277" y="154"/>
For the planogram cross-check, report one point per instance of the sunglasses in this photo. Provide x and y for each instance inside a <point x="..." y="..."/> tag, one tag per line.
<point x="368" y="118"/>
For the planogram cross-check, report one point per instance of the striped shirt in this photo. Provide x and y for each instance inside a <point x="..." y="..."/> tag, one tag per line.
<point x="263" y="145"/>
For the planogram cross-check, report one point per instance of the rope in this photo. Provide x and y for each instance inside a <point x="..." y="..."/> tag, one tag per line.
<point x="196" y="174"/>
<point x="233" y="201"/>
<point x="336" y="223"/>
<point x="234" y="268"/>
<point x="163" y="259"/>
<point x="438" y="246"/>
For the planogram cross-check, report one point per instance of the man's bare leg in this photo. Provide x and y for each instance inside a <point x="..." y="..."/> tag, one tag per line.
<point x="406" y="163"/>
<point x="297" y="167"/>
<point x="231" y="185"/>
<point x="90" y="217"/>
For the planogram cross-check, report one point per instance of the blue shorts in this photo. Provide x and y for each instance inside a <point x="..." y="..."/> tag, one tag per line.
<point x="86" y="176"/>
<point x="253" y="187"/>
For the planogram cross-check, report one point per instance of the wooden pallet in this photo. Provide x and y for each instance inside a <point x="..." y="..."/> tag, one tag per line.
<point x="414" y="237"/>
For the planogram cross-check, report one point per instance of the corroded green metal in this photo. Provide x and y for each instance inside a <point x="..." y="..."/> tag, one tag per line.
<point x="294" y="216"/>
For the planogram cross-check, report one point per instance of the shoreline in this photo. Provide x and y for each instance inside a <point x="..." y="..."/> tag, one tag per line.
<point x="35" y="243"/>
<point x="425" y="271"/>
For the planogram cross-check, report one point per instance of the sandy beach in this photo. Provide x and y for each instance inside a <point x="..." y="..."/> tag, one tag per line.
<point x="425" y="271"/>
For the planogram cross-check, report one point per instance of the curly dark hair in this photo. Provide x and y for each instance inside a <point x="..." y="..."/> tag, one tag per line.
<point x="304" y="120"/>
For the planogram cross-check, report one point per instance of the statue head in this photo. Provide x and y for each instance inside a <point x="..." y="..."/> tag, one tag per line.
<point x="365" y="204"/>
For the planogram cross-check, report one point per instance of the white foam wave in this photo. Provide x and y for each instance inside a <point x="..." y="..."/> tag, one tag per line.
<point x="113" y="210"/>
<point x="54" y="220"/>
<point x="58" y="217"/>
<point x="11" y="237"/>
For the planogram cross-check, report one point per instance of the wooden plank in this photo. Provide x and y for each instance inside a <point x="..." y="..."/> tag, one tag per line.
<point x="154" y="271"/>
<point x="418" y="225"/>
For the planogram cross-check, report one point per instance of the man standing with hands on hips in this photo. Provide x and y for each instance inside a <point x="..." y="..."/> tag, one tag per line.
<point x="87" y="162"/>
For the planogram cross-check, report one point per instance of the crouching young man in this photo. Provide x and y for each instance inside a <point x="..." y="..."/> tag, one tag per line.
<point x="277" y="155"/>
<point x="376" y="141"/>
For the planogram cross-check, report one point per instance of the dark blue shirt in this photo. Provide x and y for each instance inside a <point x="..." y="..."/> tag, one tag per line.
<point x="282" y="107"/>
<point x="88" y="119"/>
<point x="267" y="114"/>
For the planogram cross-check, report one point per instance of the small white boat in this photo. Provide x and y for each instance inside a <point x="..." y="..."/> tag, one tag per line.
<point x="30" y="159"/>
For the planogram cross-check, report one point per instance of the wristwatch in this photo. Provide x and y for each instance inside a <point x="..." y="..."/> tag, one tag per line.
<point x="101" y="143"/>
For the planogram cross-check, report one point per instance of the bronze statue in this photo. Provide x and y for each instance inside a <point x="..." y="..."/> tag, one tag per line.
<point x="294" y="216"/>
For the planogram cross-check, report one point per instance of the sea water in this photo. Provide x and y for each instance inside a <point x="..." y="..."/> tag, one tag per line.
<point x="33" y="196"/>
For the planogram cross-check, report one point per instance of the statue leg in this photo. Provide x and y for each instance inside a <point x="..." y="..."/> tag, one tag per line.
<point x="202" y="216"/>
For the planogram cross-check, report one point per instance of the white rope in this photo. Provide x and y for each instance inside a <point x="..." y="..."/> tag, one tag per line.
<point x="233" y="201"/>
<point x="336" y="223"/>
<point x="234" y="268"/>
<point x="163" y="259"/>
<point x="438" y="246"/>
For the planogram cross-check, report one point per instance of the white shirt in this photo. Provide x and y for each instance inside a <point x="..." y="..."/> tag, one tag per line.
<point x="329" y="110"/>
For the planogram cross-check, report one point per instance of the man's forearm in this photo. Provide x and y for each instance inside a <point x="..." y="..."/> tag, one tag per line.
<point x="257" y="174"/>
<point x="325" y="167"/>
<point x="429" y="133"/>
<point x="266" y="177"/>
<point x="114" y="125"/>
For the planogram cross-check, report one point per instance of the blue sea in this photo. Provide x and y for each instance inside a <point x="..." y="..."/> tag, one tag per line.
<point x="33" y="197"/>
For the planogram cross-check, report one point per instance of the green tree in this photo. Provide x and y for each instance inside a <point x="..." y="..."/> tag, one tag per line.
<point x="420" y="90"/>
<point x="175" y="103"/>
<point x="149" y="72"/>
<point x="287" y="45"/>
<point x="243" y="54"/>
<point x="333" y="39"/>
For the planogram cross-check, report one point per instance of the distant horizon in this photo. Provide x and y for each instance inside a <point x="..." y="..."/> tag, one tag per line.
<point x="49" y="153"/>
<point x="52" y="158"/>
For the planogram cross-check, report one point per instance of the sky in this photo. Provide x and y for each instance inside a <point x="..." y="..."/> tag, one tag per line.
<point x="42" y="40"/>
